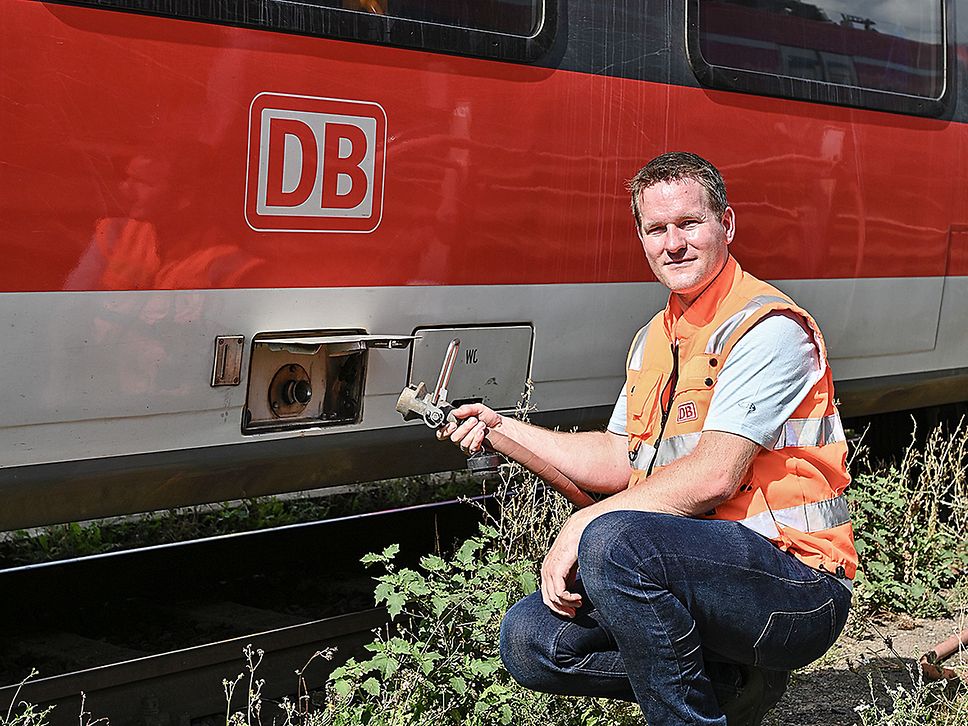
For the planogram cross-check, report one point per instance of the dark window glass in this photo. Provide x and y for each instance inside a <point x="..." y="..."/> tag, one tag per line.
<point x="509" y="30"/>
<point x="884" y="45"/>
<point x="512" y="17"/>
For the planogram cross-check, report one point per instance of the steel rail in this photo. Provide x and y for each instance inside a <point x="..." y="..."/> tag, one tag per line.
<point x="101" y="599"/>
<point x="185" y="685"/>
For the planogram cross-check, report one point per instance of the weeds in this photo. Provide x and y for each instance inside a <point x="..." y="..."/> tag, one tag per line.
<point x="440" y="661"/>
<point x="21" y="713"/>
<point x="253" y="697"/>
<point x="921" y="703"/>
<point x="910" y="524"/>
<point x="77" y="539"/>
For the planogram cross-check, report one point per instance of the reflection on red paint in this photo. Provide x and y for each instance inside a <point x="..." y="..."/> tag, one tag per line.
<point x="495" y="173"/>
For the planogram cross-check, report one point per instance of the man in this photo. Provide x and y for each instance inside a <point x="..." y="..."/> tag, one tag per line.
<point x="723" y="559"/>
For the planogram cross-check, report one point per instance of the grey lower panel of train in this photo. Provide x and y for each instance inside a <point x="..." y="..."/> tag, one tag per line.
<point x="108" y="404"/>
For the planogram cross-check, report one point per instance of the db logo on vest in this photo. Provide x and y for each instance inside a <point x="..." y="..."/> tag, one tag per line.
<point x="686" y="412"/>
<point x="315" y="164"/>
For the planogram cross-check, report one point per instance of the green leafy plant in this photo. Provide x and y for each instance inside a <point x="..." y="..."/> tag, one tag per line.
<point x="910" y="527"/>
<point x="439" y="661"/>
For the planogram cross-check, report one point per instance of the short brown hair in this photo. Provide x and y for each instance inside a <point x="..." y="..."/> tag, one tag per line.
<point x="675" y="166"/>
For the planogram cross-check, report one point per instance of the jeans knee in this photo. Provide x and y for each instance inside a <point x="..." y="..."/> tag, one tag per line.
<point x="548" y="653"/>
<point x="597" y="554"/>
<point x="617" y="546"/>
<point x="521" y="651"/>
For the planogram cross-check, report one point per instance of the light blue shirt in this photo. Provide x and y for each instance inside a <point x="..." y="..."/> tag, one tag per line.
<point x="765" y="377"/>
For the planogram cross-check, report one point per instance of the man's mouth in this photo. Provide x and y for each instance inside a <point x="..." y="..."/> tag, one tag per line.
<point x="677" y="263"/>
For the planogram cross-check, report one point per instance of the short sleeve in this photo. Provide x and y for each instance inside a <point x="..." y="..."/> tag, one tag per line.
<point x="766" y="376"/>
<point x="616" y="422"/>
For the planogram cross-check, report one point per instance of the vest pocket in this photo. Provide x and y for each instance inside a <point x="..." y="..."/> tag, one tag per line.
<point x="643" y="405"/>
<point x="689" y="408"/>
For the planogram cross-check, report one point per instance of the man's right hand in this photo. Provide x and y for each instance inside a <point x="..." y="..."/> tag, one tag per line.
<point x="475" y="420"/>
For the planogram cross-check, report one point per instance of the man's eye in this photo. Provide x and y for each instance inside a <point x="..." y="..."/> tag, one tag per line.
<point x="689" y="223"/>
<point x="655" y="230"/>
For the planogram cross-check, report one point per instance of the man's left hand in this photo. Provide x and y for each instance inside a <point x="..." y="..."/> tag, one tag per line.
<point x="559" y="568"/>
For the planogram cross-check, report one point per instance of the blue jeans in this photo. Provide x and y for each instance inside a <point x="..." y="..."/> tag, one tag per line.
<point x="666" y="601"/>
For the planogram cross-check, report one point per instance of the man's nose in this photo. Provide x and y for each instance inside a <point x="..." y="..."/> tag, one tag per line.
<point x="675" y="239"/>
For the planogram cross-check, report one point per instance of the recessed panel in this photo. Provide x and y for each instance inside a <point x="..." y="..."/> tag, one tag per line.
<point x="493" y="363"/>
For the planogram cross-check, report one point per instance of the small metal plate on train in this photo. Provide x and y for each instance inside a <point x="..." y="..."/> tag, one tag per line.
<point x="493" y="363"/>
<point x="227" y="369"/>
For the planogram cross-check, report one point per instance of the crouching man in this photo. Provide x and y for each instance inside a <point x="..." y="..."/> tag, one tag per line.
<point x="722" y="556"/>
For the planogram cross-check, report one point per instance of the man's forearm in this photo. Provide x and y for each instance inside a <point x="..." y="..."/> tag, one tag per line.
<point x="595" y="460"/>
<point x="688" y="487"/>
<point x="692" y="485"/>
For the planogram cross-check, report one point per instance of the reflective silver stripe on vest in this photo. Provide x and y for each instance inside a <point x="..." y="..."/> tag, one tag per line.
<point x="642" y="456"/>
<point x="812" y="517"/>
<point x="675" y="447"/>
<point x="801" y="432"/>
<point x="638" y="348"/>
<point x="796" y="432"/>
<point x="717" y="341"/>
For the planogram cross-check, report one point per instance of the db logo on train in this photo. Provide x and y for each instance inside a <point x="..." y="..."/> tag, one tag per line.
<point x="315" y="164"/>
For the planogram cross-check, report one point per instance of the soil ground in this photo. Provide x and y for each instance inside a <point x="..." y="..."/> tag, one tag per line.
<point x="880" y="651"/>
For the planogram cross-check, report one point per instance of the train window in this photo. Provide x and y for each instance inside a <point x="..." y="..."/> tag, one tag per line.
<point x="513" y="17"/>
<point x="890" y="55"/>
<point x="516" y="30"/>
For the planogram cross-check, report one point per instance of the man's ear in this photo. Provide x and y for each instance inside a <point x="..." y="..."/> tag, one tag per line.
<point x="729" y="224"/>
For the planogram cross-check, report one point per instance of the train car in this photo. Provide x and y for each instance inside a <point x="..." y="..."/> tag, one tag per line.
<point x="233" y="232"/>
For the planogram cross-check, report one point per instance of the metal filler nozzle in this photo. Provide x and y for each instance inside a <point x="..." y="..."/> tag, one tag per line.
<point x="446" y="371"/>
<point x="416" y="402"/>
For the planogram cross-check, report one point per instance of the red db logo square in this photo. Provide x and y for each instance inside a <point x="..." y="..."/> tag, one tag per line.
<point x="686" y="412"/>
<point x="315" y="164"/>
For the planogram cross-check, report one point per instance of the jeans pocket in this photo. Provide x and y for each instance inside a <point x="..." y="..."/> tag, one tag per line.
<point x="792" y="640"/>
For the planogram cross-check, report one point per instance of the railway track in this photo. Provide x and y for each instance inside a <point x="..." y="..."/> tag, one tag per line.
<point x="148" y="635"/>
<point x="183" y="687"/>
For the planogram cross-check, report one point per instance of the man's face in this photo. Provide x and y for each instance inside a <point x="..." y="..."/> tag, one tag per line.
<point x="684" y="240"/>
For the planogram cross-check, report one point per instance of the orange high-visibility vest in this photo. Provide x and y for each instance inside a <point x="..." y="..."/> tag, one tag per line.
<point x="793" y="492"/>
